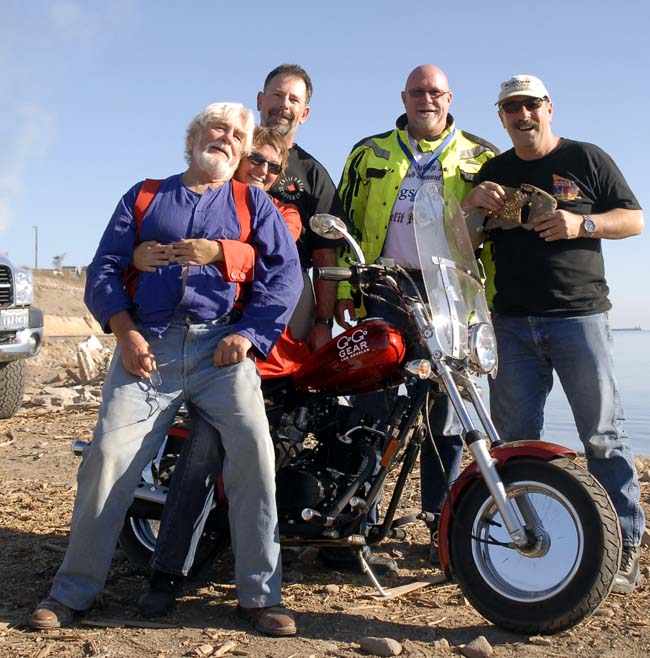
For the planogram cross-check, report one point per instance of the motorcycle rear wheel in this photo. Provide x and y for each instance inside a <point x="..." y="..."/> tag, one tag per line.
<point x="142" y="523"/>
<point x="563" y="584"/>
<point x="138" y="540"/>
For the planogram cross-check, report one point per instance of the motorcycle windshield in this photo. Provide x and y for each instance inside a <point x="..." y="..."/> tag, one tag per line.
<point x="449" y="268"/>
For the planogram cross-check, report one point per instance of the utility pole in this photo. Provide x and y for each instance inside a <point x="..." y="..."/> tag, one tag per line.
<point x="35" y="247"/>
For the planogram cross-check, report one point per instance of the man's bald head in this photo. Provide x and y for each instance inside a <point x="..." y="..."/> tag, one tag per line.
<point x="426" y="99"/>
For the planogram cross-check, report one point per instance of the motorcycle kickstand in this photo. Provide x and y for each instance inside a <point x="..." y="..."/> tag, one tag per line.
<point x="365" y="567"/>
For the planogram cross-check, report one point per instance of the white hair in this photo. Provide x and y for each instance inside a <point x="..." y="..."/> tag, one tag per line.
<point x="232" y="113"/>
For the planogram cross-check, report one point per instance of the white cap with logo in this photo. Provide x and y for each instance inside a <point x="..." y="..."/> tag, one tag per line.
<point x="522" y="85"/>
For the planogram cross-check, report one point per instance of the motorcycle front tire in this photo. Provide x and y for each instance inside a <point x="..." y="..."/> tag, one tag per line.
<point x="565" y="582"/>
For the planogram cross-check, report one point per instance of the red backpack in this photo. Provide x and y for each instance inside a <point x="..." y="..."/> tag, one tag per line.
<point x="146" y="195"/>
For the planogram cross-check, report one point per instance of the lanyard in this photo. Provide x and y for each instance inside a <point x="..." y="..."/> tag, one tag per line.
<point x="423" y="170"/>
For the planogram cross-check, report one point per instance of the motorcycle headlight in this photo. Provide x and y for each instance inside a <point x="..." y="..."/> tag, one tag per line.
<point x="24" y="286"/>
<point x="483" y="347"/>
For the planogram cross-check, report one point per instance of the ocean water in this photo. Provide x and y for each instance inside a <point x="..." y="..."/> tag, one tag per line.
<point x="632" y="366"/>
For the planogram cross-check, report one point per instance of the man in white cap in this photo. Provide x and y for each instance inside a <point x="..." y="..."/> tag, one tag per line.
<point x="551" y="302"/>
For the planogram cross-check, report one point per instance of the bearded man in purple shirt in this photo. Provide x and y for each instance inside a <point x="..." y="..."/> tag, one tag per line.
<point x="183" y="338"/>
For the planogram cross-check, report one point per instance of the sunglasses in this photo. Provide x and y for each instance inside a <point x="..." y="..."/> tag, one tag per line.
<point x="531" y="104"/>
<point x="274" y="167"/>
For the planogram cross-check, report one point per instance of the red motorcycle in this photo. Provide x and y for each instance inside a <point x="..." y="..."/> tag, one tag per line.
<point x="530" y="537"/>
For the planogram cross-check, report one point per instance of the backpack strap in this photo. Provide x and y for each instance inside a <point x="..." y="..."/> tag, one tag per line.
<point x="242" y="206"/>
<point x="146" y="194"/>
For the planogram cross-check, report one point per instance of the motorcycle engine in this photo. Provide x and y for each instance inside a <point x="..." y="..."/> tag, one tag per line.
<point x="326" y="466"/>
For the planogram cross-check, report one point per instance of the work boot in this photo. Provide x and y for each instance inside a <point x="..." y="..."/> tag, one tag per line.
<point x="160" y="599"/>
<point x="345" y="559"/>
<point x="628" y="576"/>
<point x="274" y="620"/>
<point x="50" y="613"/>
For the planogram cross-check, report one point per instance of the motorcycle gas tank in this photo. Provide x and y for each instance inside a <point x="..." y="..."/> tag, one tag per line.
<point x="360" y="360"/>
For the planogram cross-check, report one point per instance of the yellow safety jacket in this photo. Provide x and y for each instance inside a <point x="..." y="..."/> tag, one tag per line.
<point x="373" y="176"/>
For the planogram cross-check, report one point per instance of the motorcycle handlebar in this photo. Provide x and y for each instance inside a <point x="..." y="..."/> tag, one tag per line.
<point x="333" y="273"/>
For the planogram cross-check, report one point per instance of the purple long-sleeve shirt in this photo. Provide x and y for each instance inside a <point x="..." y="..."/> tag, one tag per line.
<point x="176" y="213"/>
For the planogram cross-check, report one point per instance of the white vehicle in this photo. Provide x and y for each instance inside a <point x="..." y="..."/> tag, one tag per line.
<point x="21" y="333"/>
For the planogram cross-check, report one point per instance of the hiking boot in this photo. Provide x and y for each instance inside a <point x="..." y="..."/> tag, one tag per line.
<point x="345" y="559"/>
<point x="160" y="599"/>
<point x="628" y="576"/>
<point x="274" y="620"/>
<point x="50" y="613"/>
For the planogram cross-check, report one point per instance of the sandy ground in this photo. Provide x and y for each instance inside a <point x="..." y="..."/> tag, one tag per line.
<point x="37" y="487"/>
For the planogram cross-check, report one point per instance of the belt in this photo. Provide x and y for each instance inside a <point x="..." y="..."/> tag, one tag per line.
<point x="229" y="318"/>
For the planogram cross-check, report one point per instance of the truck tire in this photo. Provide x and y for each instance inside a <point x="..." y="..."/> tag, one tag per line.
<point x="12" y="387"/>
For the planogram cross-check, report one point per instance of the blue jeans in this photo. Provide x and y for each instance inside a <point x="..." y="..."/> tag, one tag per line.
<point x="133" y="421"/>
<point x="248" y="470"/>
<point x="580" y="350"/>
<point x="444" y="422"/>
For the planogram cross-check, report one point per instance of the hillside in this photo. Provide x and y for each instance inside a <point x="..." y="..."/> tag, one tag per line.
<point x="60" y="297"/>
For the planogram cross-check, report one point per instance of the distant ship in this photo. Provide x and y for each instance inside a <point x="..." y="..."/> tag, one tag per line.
<point x="637" y="328"/>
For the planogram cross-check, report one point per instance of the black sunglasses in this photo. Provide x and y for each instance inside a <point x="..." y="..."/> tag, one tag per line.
<point x="531" y="104"/>
<point x="274" y="167"/>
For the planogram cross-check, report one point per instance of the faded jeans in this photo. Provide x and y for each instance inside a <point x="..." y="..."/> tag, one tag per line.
<point x="579" y="349"/>
<point x="133" y="421"/>
<point x="248" y="478"/>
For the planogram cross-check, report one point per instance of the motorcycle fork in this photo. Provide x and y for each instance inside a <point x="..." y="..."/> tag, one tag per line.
<point x="536" y="534"/>
<point x="393" y="447"/>
<point x="487" y="465"/>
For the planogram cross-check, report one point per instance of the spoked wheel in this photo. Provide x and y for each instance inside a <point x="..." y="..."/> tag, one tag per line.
<point x="573" y="557"/>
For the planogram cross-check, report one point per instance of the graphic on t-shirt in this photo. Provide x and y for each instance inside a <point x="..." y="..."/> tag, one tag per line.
<point x="400" y="237"/>
<point x="290" y="188"/>
<point x="564" y="189"/>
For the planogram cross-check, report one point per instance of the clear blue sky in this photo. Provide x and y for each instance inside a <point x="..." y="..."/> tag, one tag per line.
<point x="96" y="95"/>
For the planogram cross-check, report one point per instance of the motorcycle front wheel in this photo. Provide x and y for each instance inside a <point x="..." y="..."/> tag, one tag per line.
<point x="567" y="574"/>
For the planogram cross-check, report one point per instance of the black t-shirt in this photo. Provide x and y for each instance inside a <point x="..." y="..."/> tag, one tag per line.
<point x="565" y="277"/>
<point x="307" y="185"/>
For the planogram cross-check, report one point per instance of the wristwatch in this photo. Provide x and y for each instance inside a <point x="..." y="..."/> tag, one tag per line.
<point x="588" y="225"/>
<point x="328" y="322"/>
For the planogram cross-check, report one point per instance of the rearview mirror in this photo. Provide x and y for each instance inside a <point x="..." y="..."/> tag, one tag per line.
<point x="327" y="226"/>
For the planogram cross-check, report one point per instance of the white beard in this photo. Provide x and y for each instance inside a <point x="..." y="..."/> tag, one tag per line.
<point x="213" y="164"/>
